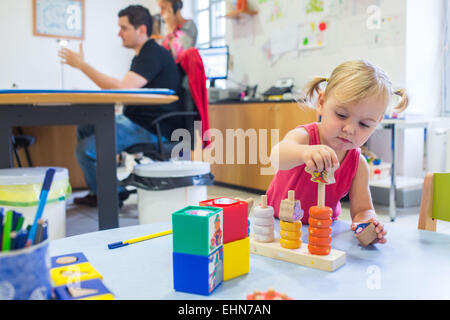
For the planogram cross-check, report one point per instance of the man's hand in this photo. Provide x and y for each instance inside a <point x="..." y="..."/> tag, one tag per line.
<point x="72" y="58"/>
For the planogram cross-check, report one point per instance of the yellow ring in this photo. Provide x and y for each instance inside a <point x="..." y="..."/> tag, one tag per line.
<point x="290" y="244"/>
<point x="290" y="226"/>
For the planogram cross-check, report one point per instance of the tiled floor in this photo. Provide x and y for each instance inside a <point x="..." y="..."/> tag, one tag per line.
<point x="80" y="219"/>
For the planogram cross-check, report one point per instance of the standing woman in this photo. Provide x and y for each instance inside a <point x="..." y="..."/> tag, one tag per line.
<point x="182" y="33"/>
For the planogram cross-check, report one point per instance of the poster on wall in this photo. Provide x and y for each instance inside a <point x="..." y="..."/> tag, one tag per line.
<point x="62" y="19"/>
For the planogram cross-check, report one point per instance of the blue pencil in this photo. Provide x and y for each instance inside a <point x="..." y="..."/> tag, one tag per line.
<point x="42" y="201"/>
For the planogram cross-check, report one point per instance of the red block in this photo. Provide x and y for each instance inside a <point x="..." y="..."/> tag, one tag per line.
<point x="235" y="217"/>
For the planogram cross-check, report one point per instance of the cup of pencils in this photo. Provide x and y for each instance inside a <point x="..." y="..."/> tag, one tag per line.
<point x="24" y="269"/>
<point x="24" y="258"/>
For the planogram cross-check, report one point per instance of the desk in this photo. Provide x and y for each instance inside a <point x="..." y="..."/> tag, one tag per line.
<point x="413" y="264"/>
<point x="393" y="124"/>
<point x="39" y="109"/>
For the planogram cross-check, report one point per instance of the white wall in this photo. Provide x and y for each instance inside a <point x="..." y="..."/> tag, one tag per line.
<point x="413" y="62"/>
<point x="247" y="38"/>
<point x="32" y="62"/>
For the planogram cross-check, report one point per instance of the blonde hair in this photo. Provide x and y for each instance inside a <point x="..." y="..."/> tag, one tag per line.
<point x="353" y="81"/>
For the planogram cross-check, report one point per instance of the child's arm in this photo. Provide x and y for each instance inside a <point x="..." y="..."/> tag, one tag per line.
<point x="294" y="150"/>
<point x="361" y="207"/>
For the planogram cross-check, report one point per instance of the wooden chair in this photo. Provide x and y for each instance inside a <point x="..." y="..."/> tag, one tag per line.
<point x="435" y="203"/>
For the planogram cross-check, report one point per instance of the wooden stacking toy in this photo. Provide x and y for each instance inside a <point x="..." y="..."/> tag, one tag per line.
<point x="263" y="229"/>
<point x="319" y="239"/>
<point x="290" y="224"/>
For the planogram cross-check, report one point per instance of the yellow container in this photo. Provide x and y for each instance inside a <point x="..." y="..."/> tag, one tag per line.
<point x="236" y="258"/>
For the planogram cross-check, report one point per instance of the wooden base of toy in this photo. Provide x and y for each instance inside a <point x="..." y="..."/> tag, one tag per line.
<point x="300" y="256"/>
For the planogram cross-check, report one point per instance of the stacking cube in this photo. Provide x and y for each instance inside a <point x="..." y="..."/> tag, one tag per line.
<point x="197" y="249"/>
<point x="198" y="274"/>
<point x="235" y="217"/>
<point x="236" y="256"/>
<point x="197" y="230"/>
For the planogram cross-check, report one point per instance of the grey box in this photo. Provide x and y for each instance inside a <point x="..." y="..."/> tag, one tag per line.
<point x="404" y="198"/>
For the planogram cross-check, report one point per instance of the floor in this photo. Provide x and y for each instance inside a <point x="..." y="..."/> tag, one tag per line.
<point x="81" y="219"/>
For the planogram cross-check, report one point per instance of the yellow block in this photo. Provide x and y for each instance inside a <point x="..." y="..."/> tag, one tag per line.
<point x="106" y="296"/>
<point x="73" y="273"/>
<point x="236" y="256"/>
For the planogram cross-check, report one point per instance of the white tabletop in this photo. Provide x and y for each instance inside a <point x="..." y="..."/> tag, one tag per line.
<point x="413" y="264"/>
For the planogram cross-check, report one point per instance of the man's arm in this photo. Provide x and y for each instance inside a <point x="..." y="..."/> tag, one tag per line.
<point x="76" y="60"/>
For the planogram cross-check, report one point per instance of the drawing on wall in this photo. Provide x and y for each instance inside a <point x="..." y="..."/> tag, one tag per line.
<point x="313" y="34"/>
<point x="276" y="12"/>
<point x="314" y="6"/>
<point x="58" y="18"/>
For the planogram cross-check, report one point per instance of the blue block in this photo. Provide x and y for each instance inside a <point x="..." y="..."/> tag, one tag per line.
<point x="62" y="292"/>
<point x="197" y="274"/>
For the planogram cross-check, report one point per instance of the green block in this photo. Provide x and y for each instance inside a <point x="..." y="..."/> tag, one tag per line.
<point x="197" y="230"/>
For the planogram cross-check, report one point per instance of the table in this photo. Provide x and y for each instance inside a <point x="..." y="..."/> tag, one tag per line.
<point x="393" y="124"/>
<point x="413" y="264"/>
<point x="39" y="109"/>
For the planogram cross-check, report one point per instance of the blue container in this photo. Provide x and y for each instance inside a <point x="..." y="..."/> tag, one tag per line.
<point x="24" y="273"/>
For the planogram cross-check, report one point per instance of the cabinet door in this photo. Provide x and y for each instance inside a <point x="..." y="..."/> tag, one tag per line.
<point x="248" y="133"/>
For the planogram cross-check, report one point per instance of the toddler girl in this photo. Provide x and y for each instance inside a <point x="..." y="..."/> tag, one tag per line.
<point x="350" y="107"/>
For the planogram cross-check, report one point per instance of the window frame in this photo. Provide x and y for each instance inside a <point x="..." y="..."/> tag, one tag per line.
<point x="212" y="38"/>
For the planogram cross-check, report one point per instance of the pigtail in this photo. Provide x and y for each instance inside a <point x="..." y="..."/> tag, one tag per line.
<point x="314" y="87"/>
<point x="403" y="102"/>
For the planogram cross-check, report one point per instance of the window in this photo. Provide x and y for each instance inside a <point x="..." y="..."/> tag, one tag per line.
<point x="209" y="15"/>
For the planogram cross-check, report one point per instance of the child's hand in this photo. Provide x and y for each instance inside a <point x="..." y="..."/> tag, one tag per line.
<point x="379" y="229"/>
<point x="320" y="157"/>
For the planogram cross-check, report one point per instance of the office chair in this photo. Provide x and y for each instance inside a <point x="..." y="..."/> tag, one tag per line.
<point x="190" y="65"/>
<point x="22" y="141"/>
<point x="435" y="203"/>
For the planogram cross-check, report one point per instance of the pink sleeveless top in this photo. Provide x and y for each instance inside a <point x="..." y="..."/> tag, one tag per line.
<point x="305" y="190"/>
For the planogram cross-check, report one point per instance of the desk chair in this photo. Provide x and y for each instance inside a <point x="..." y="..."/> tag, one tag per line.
<point x="435" y="203"/>
<point x="163" y="150"/>
<point x="193" y="77"/>
<point x="22" y="141"/>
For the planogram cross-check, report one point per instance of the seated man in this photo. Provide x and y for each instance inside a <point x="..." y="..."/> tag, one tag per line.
<point x="152" y="67"/>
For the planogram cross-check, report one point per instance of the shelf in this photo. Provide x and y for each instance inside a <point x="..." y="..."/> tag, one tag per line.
<point x="235" y="14"/>
<point x="401" y="182"/>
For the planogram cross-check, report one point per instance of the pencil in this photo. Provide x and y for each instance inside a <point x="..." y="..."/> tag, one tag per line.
<point x="6" y="245"/>
<point x="42" y="201"/>
<point x="134" y="240"/>
<point x="40" y="231"/>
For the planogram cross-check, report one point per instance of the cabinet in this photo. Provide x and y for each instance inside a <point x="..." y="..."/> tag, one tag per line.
<point x="253" y="119"/>
<point x="55" y="146"/>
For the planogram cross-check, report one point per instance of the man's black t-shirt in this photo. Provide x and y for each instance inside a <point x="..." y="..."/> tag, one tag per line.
<point x="156" y="64"/>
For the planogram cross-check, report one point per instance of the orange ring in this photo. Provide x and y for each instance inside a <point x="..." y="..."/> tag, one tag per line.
<point x="320" y="212"/>
<point x="319" y="223"/>
<point x="318" y="250"/>
<point x="290" y="235"/>
<point x="318" y="241"/>
<point x="319" y="232"/>
<point x="290" y="244"/>
<point x="290" y="226"/>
